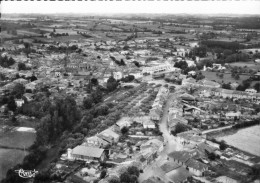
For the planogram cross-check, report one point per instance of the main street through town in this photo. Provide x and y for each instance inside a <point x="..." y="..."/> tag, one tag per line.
<point x="170" y="146"/>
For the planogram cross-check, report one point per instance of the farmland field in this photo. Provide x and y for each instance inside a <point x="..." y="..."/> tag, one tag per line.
<point x="227" y="77"/>
<point x="60" y="31"/>
<point x="240" y="139"/>
<point x="27" y="33"/>
<point x="251" y="65"/>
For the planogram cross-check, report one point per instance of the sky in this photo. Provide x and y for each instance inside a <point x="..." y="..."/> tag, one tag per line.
<point x="143" y="6"/>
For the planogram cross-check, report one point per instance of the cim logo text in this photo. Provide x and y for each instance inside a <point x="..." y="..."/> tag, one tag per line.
<point x="26" y="173"/>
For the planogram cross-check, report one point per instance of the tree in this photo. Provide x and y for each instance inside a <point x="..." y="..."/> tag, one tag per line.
<point x="133" y="170"/>
<point x="111" y="84"/>
<point x="180" y="128"/>
<point x="14" y="32"/>
<point x="11" y="104"/>
<point x="222" y="145"/>
<point x="114" y="180"/>
<point x="96" y="96"/>
<point x="102" y="110"/>
<point x="212" y="156"/>
<point x="87" y="103"/>
<point x="94" y="81"/>
<point x="33" y="78"/>
<point x="237" y="77"/>
<point x="226" y="86"/>
<point x="124" y="130"/>
<point x="255" y="171"/>
<point x="200" y="76"/>
<point x="21" y="66"/>
<point x="257" y="87"/>
<point x="18" y="90"/>
<point x="125" y="178"/>
<point x="103" y="174"/>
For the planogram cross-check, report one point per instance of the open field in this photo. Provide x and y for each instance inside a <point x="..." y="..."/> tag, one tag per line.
<point x="14" y="157"/>
<point x="251" y="65"/>
<point x="60" y="31"/>
<point x="241" y="140"/>
<point x="5" y="35"/>
<point x="27" y="33"/>
<point x="227" y="77"/>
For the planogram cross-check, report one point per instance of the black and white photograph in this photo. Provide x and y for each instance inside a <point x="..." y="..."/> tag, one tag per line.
<point x="147" y="91"/>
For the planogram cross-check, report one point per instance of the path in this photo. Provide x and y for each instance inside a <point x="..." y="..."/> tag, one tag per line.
<point x="216" y="129"/>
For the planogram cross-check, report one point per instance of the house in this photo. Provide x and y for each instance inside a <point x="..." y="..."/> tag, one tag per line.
<point x="147" y="123"/>
<point x="153" y="180"/>
<point x="95" y="141"/>
<point x="118" y="75"/>
<point x="206" y="148"/>
<point x="233" y="115"/>
<point x="189" y="82"/>
<point x="154" y="144"/>
<point x="190" y="138"/>
<point x="19" y="102"/>
<point x="20" y="81"/>
<point x="28" y="96"/>
<point x="250" y="91"/>
<point x="209" y="84"/>
<point x="124" y="122"/>
<point x="111" y="134"/>
<point x="175" y="110"/>
<point x="196" y="167"/>
<point x="155" y="114"/>
<point x="225" y="179"/>
<point x="187" y="160"/>
<point x="174" y="119"/>
<point x="86" y="153"/>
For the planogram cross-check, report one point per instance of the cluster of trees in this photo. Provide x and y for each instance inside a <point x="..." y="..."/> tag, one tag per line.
<point x="244" y="85"/>
<point x="94" y="98"/>
<point x="61" y="116"/>
<point x="53" y="34"/>
<point x="13" y="32"/>
<point x="180" y="128"/>
<point x="234" y="46"/>
<point x="120" y="63"/>
<point x="129" y="176"/>
<point x="17" y="92"/>
<point x="111" y="84"/>
<point x="200" y="51"/>
<point x="6" y="62"/>
<point x="246" y="124"/>
<point x="22" y="66"/>
<point x="149" y="59"/>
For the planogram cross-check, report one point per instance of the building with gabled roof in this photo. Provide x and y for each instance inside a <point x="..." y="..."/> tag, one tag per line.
<point x="86" y="153"/>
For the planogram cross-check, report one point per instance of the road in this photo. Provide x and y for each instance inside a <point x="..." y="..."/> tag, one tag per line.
<point x="171" y="145"/>
<point x="168" y="138"/>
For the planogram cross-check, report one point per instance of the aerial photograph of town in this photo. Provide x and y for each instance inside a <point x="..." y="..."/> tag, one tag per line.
<point x="130" y="92"/>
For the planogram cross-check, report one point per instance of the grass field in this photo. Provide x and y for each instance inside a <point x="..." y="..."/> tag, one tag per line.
<point x="5" y="35"/>
<point x="60" y="31"/>
<point x="251" y="65"/>
<point x="27" y="33"/>
<point x="226" y="79"/>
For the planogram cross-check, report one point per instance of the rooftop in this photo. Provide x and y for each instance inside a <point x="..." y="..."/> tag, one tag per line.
<point x="88" y="151"/>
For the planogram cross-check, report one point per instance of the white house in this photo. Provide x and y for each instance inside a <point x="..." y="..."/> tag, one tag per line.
<point x="250" y="91"/>
<point x="19" y="102"/>
<point x="118" y="75"/>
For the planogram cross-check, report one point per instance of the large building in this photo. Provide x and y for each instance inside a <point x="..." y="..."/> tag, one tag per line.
<point x="159" y="68"/>
<point x="86" y="153"/>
